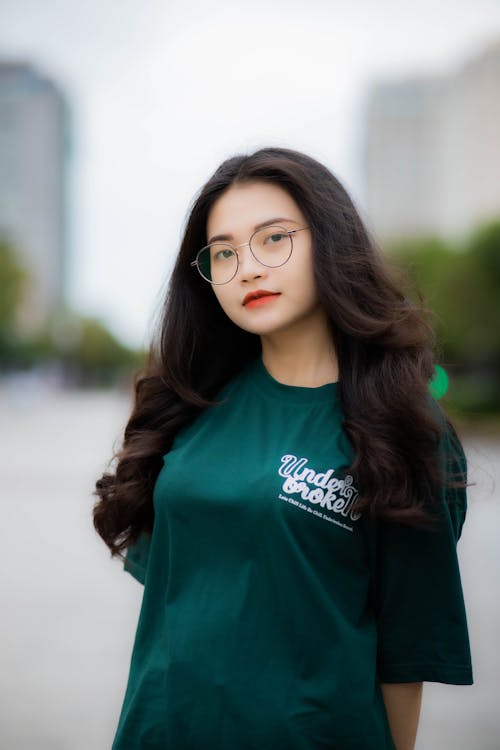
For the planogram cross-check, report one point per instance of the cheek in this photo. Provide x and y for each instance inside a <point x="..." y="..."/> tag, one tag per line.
<point x="300" y="283"/>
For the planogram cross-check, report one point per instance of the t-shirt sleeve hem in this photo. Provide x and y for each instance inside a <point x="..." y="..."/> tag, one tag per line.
<point x="136" y="571"/>
<point x="136" y="558"/>
<point x="451" y="675"/>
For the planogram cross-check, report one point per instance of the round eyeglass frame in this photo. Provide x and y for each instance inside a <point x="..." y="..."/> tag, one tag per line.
<point x="290" y="232"/>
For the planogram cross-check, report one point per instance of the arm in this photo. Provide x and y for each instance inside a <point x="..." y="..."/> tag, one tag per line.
<point x="402" y="704"/>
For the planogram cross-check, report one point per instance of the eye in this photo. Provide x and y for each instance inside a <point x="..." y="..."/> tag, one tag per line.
<point x="223" y="254"/>
<point x="275" y="238"/>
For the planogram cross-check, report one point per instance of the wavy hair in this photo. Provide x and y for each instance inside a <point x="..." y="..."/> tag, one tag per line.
<point x="385" y="345"/>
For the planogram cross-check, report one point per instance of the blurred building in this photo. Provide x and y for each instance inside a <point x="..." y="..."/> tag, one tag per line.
<point x="33" y="161"/>
<point x="432" y="151"/>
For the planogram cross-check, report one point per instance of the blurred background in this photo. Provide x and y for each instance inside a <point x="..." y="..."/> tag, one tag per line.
<point x="112" y="115"/>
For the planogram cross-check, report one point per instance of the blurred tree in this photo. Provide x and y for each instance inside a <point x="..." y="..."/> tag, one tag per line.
<point x="90" y="352"/>
<point x="484" y="244"/>
<point x="97" y="348"/>
<point x="461" y="285"/>
<point x="82" y="347"/>
<point x="13" y="280"/>
<point x="427" y="259"/>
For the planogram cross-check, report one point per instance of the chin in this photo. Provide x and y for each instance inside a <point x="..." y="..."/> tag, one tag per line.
<point x="262" y="329"/>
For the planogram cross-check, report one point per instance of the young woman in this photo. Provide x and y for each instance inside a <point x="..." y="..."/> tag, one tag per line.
<point x="289" y="492"/>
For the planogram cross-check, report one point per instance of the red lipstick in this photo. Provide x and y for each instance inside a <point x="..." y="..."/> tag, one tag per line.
<point x="259" y="296"/>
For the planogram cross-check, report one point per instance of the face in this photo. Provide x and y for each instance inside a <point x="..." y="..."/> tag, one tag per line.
<point x="236" y="213"/>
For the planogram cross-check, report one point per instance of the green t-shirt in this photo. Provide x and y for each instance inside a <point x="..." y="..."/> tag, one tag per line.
<point x="272" y="610"/>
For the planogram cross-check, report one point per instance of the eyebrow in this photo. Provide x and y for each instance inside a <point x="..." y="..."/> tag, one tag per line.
<point x="266" y="223"/>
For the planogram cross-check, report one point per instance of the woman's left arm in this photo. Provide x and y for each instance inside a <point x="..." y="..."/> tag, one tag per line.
<point x="402" y="705"/>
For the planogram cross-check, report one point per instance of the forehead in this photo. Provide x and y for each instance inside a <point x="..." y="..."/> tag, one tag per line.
<point x="243" y="206"/>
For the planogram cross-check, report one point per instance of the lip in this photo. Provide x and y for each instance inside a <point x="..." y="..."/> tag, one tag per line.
<point x="259" y="295"/>
<point x="258" y="301"/>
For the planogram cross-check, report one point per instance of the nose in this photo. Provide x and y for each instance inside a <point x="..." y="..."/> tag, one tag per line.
<point x="248" y="266"/>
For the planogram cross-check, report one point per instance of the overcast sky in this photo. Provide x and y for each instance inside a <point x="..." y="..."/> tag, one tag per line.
<point x="161" y="91"/>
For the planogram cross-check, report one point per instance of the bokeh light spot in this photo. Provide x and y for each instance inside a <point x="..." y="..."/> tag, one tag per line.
<point x="439" y="384"/>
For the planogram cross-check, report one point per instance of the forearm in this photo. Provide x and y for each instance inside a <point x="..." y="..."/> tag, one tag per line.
<point x="402" y="705"/>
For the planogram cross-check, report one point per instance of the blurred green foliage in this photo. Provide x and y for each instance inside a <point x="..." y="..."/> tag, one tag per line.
<point x="460" y="282"/>
<point x="81" y="349"/>
<point x="13" y="280"/>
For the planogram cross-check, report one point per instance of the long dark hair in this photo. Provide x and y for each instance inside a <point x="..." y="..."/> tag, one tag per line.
<point x="385" y="345"/>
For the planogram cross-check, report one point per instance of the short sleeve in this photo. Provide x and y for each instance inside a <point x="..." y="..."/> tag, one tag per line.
<point x="455" y="462"/>
<point x="136" y="557"/>
<point x="422" y="632"/>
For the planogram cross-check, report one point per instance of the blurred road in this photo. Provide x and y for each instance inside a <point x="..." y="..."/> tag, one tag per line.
<point x="69" y="612"/>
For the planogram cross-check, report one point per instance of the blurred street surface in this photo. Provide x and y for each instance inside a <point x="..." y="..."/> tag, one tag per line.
<point x="69" y="612"/>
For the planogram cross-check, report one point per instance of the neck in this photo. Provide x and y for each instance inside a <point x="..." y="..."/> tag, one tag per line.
<point x="303" y="355"/>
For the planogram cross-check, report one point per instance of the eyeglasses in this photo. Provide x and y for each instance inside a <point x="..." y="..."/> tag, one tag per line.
<point x="271" y="246"/>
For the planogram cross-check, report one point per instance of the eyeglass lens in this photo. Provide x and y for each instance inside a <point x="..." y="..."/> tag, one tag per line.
<point x="271" y="246"/>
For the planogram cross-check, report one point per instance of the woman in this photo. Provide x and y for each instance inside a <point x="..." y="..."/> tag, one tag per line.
<point x="288" y="491"/>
